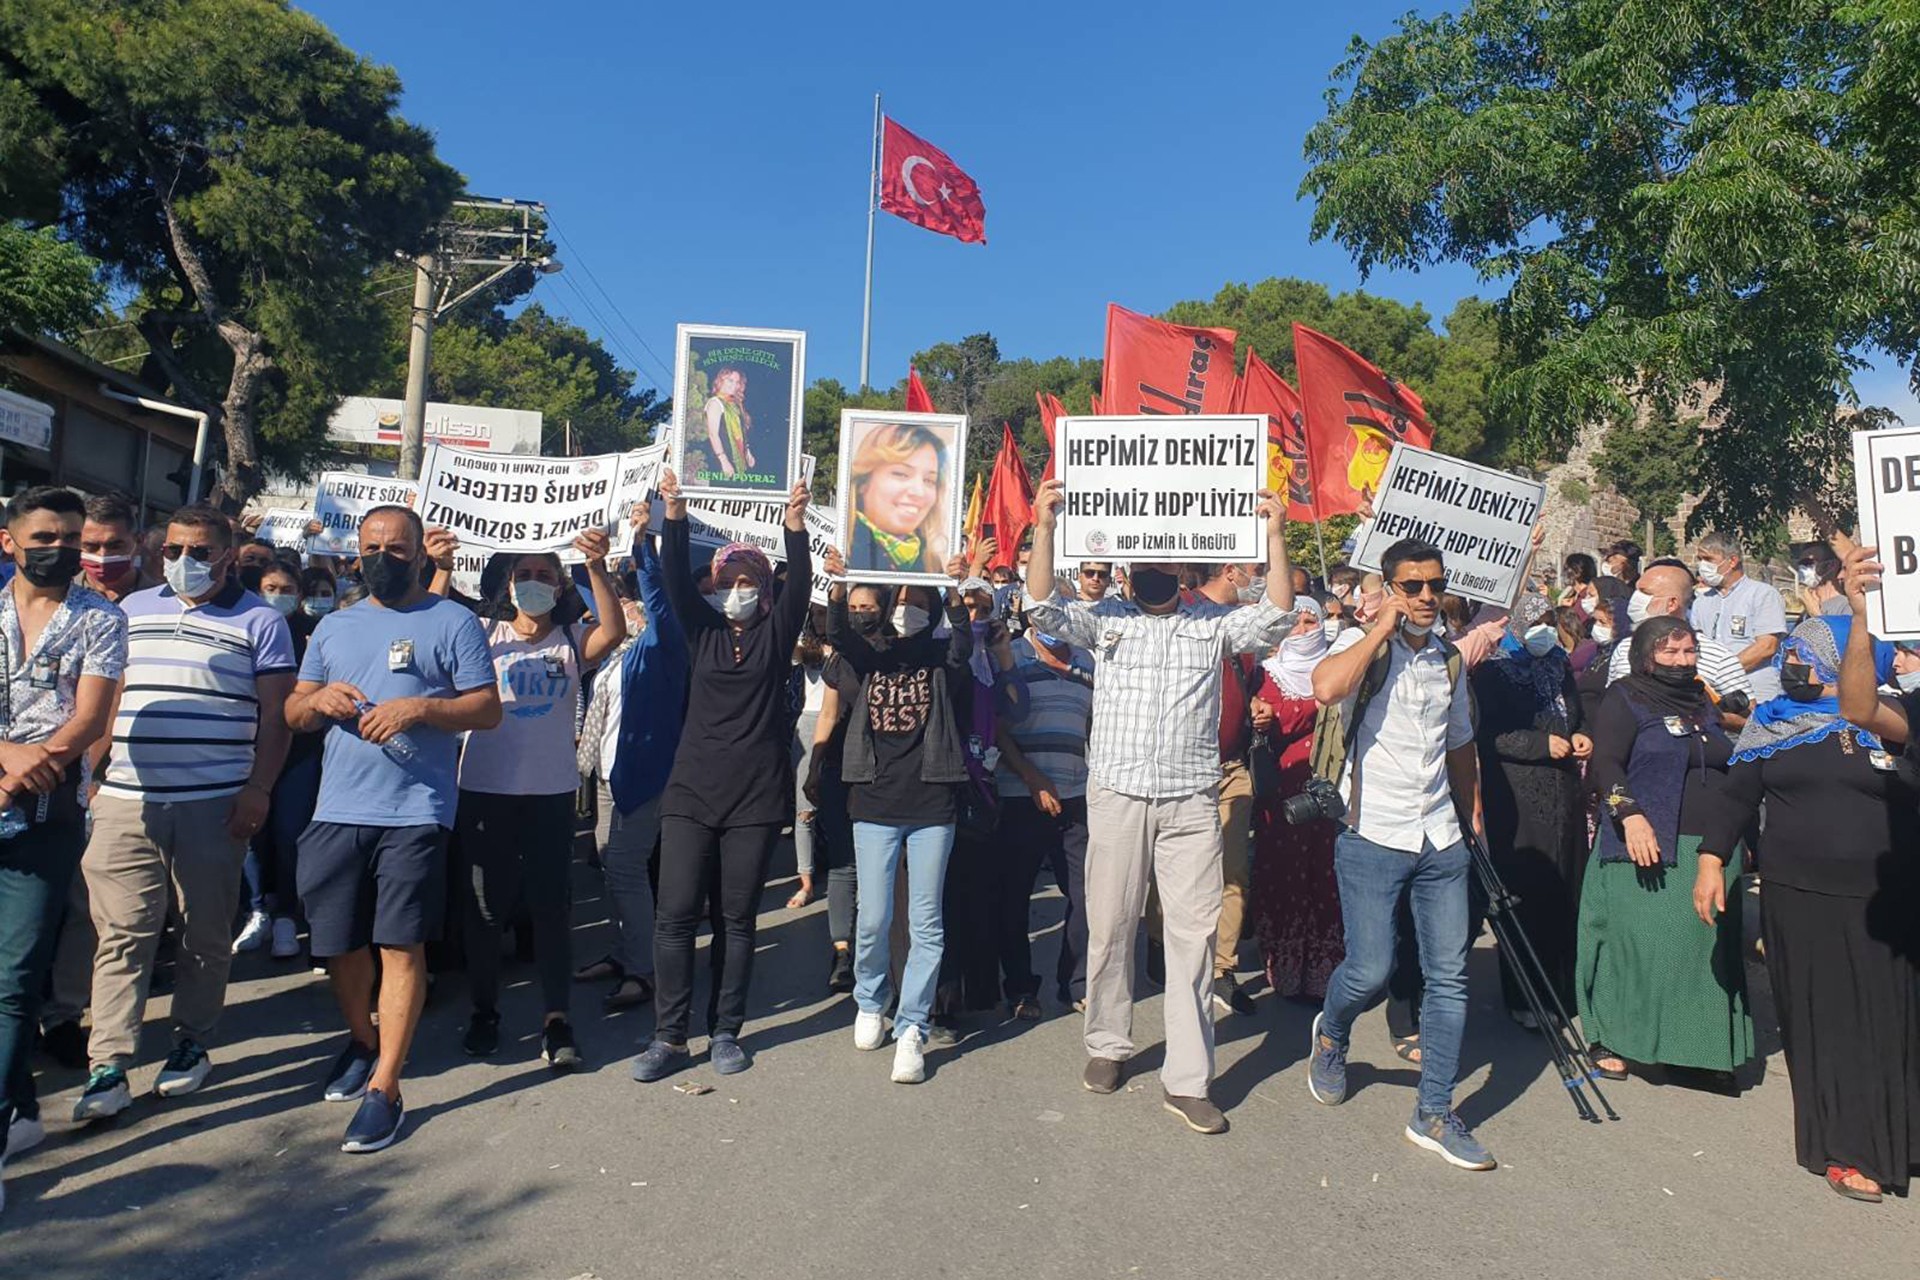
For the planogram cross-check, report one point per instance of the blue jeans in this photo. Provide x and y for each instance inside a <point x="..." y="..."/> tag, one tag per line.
<point x="37" y="868"/>
<point x="1372" y="878"/>
<point x="877" y="851"/>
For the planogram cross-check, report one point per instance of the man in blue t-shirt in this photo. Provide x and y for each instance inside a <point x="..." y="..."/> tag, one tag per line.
<point x="393" y="681"/>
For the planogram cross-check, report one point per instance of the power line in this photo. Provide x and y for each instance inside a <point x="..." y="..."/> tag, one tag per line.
<point x="611" y="334"/>
<point x="573" y="255"/>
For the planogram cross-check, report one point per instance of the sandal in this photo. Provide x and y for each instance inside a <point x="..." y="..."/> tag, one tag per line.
<point x="1408" y="1047"/>
<point x="1597" y="1051"/>
<point x="604" y="967"/>
<point x="632" y="989"/>
<point x="1837" y="1175"/>
<point x="1026" y="1009"/>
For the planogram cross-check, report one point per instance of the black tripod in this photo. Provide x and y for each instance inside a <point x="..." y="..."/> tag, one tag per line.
<point x="1571" y="1056"/>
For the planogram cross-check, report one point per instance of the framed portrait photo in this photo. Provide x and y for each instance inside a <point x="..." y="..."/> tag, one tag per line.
<point x="901" y="494"/>
<point x="737" y="410"/>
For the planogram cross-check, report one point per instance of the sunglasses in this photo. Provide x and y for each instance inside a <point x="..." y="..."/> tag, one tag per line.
<point x="1420" y="586"/>
<point x="174" y="550"/>
<point x="1095" y="573"/>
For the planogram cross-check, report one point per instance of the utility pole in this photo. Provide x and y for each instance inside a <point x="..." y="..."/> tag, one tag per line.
<point x="499" y="235"/>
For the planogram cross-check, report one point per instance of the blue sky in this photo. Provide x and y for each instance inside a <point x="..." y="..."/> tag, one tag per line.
<point x="709" y="163"/>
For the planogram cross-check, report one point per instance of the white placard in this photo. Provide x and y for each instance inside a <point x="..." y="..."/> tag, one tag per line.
<point x="1886" y="476"/>
<point x="1152" y="488"/>
<point x="715" y="524"/>
<point x="516" y="504"/>
<point x="1481" y="519"/>
<point x="284" y="527"/>
<point x="343" y="498"/>
<point x="25" y="421"/>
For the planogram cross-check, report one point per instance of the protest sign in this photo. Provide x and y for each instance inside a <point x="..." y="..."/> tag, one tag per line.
<point x="822" y="532"/>
<point x="284" y="527"/>
<point x="1481" y="519"/>
<point x="1159" y="488"/>
<point x="342" y="499"/>
<point x="636" y="479"/>
<point x="1886" y="474"/>
<point x="750" y="520"/>
<point x="516" y="503"/>
<point x="900" y="495"/>
<point x="737" y="417"/>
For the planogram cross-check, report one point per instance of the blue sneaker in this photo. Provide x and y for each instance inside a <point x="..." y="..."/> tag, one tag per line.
<point x="375" y="1125"/>
<point x="728" y="1058"/>
<point x="1326" y="1069"/>
<point x="347" y="1078"/>
<point x="658" y="1061"/>
<point x="1447" y="1136"/>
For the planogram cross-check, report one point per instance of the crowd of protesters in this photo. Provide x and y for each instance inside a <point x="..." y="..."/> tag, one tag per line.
<point x="213" y="745"/>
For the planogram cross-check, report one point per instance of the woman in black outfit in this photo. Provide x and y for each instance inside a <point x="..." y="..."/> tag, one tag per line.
<point x="1532" y="743"/>
<point x="1840" y="910"/>
<point x="731" y="787"/>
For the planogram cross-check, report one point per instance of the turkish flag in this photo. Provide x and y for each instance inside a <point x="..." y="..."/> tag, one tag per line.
<point x="1261" y="390"/>
<point x="1007" y="513"/>
<point x="918" y="401"/>
<point x="1355" y="415"/>
<point x="1051" y="411"/>
<point x="920" y="183"/>
<point x="1156" y="367"/>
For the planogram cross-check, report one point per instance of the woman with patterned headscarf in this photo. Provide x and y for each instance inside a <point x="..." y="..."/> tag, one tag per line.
<point x="1533" y="743"/>
<point x="1840" y="912"/>
<point x="731" y="787"/>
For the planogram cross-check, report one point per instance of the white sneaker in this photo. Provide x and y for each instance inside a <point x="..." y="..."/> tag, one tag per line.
<point x="186" y="1069"/>
<point x="869" y="1031"/>
<point x="24" y="1135"/>
<point x="286" y="938"/>
<point x="909" y="1057"/>
<point x="259" y="925"/>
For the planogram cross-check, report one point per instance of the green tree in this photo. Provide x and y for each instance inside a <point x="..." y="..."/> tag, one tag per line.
<point x="242" y="173"/>
<point x="46" y="284"/>
<point x="1700" y="209"/>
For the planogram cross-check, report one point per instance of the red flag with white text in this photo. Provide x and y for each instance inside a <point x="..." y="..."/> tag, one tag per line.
<point x="920" y="183"/>
<point x="1155" y="367"/>
<point x="1261" y="390"/>
<point x="1355" y="415"/>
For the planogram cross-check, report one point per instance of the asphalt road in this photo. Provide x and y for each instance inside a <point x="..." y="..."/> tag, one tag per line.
<point x="814" y="1164"/>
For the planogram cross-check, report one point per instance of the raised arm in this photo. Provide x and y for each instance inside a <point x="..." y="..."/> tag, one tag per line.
<point x="676" y="547"/>
<point x="610" y="620"/>
<point x="1339" y="674"/>
<point x="794" y="599"/>
<point x="1860" y="700"/>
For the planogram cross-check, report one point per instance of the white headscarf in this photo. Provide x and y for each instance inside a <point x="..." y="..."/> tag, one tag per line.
<point x="1292" y="664"/>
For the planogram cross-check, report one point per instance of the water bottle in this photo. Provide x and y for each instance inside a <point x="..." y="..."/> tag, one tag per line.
<point x="13" y="822"/>
<point x="399" y="748"/>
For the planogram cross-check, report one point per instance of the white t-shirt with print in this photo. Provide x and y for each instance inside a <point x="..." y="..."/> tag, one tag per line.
<point x="531" y="753"/>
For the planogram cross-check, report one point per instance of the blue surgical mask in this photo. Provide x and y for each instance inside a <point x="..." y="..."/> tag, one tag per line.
<point x="1540" y="641"/>
<point x="189" y="577"/>
<point x="1907" y="681"/>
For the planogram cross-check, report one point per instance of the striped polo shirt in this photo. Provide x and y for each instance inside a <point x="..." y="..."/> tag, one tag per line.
<point x="189" y="702"/>
<point x="1053" y="734"/>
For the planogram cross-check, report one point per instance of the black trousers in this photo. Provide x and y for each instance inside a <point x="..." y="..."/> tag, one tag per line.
<point x="690" y="853"/>
<point x="518" y="852"/>
<point x="1029" y="840"/>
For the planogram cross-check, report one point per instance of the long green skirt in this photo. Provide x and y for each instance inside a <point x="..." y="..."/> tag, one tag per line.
<point x="1654" y="983"/>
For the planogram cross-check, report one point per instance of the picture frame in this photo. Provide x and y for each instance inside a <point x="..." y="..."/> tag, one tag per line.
<point x="756" y="417"/>
<point x="921" y="509"/>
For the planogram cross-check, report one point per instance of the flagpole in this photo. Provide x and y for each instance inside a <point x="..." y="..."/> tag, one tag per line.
<point x="873" y="186"/>
<point x="1313" y="499"/>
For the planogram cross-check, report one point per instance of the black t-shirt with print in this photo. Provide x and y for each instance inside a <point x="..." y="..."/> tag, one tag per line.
<point x="899" y="704"/>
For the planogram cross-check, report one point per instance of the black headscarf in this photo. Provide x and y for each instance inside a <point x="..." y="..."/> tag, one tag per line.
<point x="1661" y="696"/>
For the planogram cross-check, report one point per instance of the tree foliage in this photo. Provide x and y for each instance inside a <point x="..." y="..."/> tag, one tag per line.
<point x="46" y="284"/>
<point x="1701" y="208"/>
<point x="241" y="173"/>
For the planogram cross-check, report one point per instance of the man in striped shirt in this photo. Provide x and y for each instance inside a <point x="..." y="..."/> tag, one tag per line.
<point x="1665" y="587"/>
<point x="199" y="736"/>
<point x="1153" y="793"/>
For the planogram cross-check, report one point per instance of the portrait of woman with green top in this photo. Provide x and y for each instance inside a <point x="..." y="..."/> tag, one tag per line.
<point x="728" y="423"/>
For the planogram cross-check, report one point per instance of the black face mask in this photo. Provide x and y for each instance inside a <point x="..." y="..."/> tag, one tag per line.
<point x="51" y="566"/>
<point x="1797" y="682"/>
<point x="864" y="623"/>
<point x="1678" y="677"/>
<point x="1154" y="587"/>
<point x="388" y="577"/>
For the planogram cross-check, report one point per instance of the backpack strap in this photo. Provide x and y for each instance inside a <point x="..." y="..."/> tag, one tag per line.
<point x="1335" y="735"/>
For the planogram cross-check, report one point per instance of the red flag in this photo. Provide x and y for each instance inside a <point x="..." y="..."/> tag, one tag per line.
<point x="918" y="401"/>
<point x="920" y="183"/>
<point x="1261" y="390"/>
<point x="1355" y="415"/>
<point x="1156" y="367"/>
<point x="1007" y="513"/>
<point x="1051" y="411"/>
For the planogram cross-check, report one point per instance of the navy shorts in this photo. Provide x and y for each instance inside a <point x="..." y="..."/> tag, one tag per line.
<point x="372" y="886"/>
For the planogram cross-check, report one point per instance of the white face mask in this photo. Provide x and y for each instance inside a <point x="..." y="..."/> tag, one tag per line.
<point x="1606" y="571"/>
<point x="1637" y="607"/>
<point x="534" y="598"/>
<point x="189" y="577"/>
<point x="736" y="604"/>
<point x="1907" y="681"/>
<point x="1711" y="573"/>
<point x="1414" y="628"/>
<point x="910" y="619"/>
<point x="1602" y="633"/>
<point x="1254" y="592"/>
<point x="1540" y="641"/>
<point x="1332" y="627"/>
<point x="1808" y="574"/>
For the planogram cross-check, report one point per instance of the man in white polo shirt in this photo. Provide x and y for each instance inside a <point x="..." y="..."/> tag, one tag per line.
<point x="1740" y="613"/>
<point x="1665" y="589"/>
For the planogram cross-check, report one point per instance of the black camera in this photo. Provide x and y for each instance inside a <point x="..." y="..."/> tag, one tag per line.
<point x="1319" y="799"/>
<point x="1737" y="703"/>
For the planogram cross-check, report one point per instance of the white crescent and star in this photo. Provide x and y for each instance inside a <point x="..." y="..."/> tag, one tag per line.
<point x="906" y="178"/>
